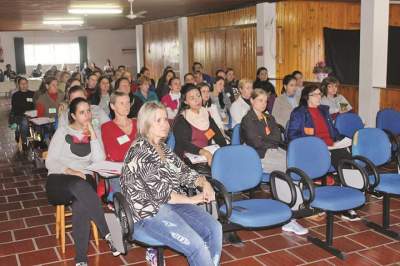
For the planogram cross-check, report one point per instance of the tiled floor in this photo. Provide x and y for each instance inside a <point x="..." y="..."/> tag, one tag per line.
<point x="27" y="229"/>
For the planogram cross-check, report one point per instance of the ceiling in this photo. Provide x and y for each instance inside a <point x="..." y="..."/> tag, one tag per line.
<point x="16" y="15"/>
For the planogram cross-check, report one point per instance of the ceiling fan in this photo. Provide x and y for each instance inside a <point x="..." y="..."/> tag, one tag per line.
<point x="135" y="15"/>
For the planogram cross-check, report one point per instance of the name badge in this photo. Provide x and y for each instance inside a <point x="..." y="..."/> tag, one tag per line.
<point x="209" y="134"/>
<point x="29" y="100"/>
<point x="309" y="131"/>
<point x="52" y="110"/>
<point x="123" y="139"/>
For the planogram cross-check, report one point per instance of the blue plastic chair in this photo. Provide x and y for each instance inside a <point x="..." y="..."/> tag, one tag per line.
<point x="348" y="123"/>
<point x="389" y="121"/>
<point x="308" y="158"/>
<point x="236" y="135"/>
<point x="124" y="215"/>
<point x="243" y="173"/>
<point x="372" y="148"/>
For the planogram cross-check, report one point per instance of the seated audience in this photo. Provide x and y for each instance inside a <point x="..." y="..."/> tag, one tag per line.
<point x="118" y="74"/>
<point x="47" y="104"/>
<point x="99" y="117"/>
<point x="172" y="100"/>
<point x="260" y="131"/>
<point x="286" y="102"/>
<point x="299" y="81"/>
<point x="242" y="104"/>
<point x="91" y="83"/>
<point x="189" y="78"/>
<point x="72" y="149"/>
<point x="166" y="69"/>
<point x="198" y="67"/>
<point x="162" y="85"/>
<point x="337" y="103"/>
<point x="262" y="82"/>
<point x="9" y="73"/>
<point x="311" y="118"/>
<point x="64" y="77"/>
<point x="108" y="69"/>
<point x="143" y="95"/>
<point x="144" y="71"/>
<point x="76" y="75"/>
<point x="123" y="85"/>
<point x="211" y="108"/>
<point x="198" y="78"/>
<point x="220" y="99"/>
<point x="102" y="95"/>
<point x="21" y="101"/>
<point x="37" y="72"/>
<point x="118" y="134"/>
<point x="162" y="202"/>
<point x="194" y="128"/>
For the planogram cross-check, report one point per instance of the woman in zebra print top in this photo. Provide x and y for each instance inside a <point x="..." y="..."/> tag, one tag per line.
<point x="152" y="180"/>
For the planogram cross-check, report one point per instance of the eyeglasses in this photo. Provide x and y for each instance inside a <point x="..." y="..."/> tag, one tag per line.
<point x="315" y="94"/>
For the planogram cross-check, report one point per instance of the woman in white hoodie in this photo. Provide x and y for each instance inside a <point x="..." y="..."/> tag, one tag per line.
<point x="242" y="105"/>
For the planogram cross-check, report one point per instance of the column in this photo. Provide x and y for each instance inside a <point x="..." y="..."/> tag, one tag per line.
<point x="373" y="57"/>
<point x="139" y="47"/>
<point x="183" y="47"/>
<point x="266" y="37"/>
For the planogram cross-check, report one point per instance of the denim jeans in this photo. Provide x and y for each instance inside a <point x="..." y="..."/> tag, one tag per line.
<point x="188" y="229"/>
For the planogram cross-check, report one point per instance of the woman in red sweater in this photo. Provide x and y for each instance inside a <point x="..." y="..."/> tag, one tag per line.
<point x="118" y="134"/>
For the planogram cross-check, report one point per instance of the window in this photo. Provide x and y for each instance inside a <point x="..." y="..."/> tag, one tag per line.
<point x="51" y="54"/>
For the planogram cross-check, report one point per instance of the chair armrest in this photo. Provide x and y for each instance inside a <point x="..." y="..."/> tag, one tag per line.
<point x="280" y="175"/>
<point x="224" y="195"/>
<point x="372" y="168"/>
<point x="391" y="136"/>
<point x="304" y="181"/>
<point x="353" y="164"/>
<point x="123" y="212"/>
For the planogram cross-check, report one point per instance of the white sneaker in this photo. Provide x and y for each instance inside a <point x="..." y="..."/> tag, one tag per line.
<point x="295" y="227"/>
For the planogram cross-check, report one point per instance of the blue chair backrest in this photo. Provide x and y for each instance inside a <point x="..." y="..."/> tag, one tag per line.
<point x="171" y="141"/>
<point x="309" y="154"/>
<point x="348" y="123"/>
<point x="388" y="119"/>
<point x="237" y="167"/>
<point x="236" y="135"/>
<point x="372" y="143"/>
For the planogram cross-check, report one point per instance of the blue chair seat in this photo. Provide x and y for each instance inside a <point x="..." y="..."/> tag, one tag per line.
<point x="265" y="178"/>
<point x="141" y="236"/>
<point x="258" y="212"/>
<point x="336" y="198"/>
<point x="389" y="183"/>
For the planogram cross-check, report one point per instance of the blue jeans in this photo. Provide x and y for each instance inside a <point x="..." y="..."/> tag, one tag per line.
<point x="188" y="229"/>
<point x="23" y="127"/>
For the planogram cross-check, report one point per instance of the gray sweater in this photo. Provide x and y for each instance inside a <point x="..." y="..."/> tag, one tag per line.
<point x="65" y="153"/>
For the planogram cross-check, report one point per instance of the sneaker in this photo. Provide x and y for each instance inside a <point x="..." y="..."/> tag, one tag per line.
<point x="295" y="227"/>
<point x="377" y="195"/>
<point x="110" y="243"/>
<point x="151" y="256"/>
<point x="233" y="238"/>
<point x="350" y="216"/>
<point x="81" y="264"/>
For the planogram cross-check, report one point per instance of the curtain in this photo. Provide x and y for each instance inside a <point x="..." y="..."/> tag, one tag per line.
<point x="82" y="40"/>
<point x="342" y="53"/>
<point x="19" y="55"/>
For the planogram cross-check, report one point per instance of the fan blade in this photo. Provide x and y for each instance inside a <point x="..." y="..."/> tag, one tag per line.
<point x="141" y="13"/>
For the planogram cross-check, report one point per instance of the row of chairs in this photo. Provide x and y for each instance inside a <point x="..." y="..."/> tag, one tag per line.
<point x="308" y="159"/>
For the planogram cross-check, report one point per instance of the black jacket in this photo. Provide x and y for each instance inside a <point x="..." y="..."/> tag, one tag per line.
<point x="253" y="133"/>
<point x="22" y="102"/>
<point x="183" y="136"/>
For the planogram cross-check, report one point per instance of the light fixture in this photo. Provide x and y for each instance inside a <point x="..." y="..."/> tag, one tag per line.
<point x="63" y="21"/>
<point x="95" y="9"/>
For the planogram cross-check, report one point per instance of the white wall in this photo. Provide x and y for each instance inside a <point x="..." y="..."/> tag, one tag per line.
<point x="102" y="44"/>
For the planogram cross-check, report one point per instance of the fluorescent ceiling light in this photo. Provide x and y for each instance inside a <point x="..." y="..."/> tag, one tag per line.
<point x="95" y="9"/>
<point x="63" y="21"/>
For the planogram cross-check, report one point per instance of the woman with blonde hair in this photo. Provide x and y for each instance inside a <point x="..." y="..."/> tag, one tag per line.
<point x="242" y="105"/>
<point x="152" y="180"/>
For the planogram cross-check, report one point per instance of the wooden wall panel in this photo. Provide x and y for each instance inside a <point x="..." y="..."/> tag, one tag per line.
<point x="222" y="40"/>
<point x="390" y="98"/>
<point x="161" y="46"/>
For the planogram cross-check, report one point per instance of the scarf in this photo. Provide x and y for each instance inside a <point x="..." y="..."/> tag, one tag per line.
<point x="200" y="121"/>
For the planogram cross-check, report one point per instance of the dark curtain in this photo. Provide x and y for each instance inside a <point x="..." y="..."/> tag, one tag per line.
<point x="342" y="53"/>
<point x="393" y="68"/>
<point x="19" y="55"/>
<point x="82" y="40"/>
